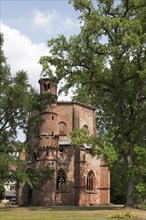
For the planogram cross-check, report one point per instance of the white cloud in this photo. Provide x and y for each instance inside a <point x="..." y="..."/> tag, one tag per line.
<point x="70" y="24"/>
<point x="23" y="54"/>
<point x="43" y="20"/>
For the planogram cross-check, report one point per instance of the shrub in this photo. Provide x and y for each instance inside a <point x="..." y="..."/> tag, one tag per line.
<point x="122" y="215"/>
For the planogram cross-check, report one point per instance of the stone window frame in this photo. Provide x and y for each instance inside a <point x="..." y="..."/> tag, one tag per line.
<point x="61" y="180"/>
<point x="90" y="181"/>
<point x="62" y="132"/>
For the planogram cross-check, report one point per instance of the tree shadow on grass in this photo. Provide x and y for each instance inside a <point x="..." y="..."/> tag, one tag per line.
<point x="62" y="208"/>
<point x="73" y="208"/>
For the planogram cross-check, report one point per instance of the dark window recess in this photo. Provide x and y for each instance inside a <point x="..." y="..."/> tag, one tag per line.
<point x="36" y="155"/>
<point x="61" y="150"/>
<point x="46" y="86"/>
<point x="86" y="126"/>
<point x="90" y="181"/>
<point x="61" y="180"/>
<point x="47" y="151"/>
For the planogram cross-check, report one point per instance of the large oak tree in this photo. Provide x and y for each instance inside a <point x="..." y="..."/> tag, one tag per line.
<point x="106" y="63"/>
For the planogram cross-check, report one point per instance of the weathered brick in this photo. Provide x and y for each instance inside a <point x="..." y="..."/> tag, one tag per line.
<point x="53" y="149"/>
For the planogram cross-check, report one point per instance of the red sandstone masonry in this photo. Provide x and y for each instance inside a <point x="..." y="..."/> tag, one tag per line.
<point x="75" y="163"/>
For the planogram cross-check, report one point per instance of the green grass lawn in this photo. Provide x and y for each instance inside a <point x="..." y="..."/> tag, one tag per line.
<point x="67" y="213"/>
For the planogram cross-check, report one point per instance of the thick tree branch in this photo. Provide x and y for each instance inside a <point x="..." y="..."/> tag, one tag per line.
<point x="8" y="121"/>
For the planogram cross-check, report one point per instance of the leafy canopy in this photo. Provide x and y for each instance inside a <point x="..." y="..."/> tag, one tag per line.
<point x="17" y="99"/>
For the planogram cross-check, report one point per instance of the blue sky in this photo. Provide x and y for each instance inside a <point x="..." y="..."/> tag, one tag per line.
<point x="27" y="25"/>
<point x="39" y="19"/>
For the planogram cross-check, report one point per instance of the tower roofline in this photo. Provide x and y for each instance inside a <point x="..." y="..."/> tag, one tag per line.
<point x="76" y="103"/>
<point x="44" y="79"/>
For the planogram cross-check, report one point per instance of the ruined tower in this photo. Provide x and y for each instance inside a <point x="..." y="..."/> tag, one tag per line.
<point x="79" y="178"/>
<point x="48" y="132"/>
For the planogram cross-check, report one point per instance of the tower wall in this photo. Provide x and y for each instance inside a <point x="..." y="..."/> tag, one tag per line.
<point x="54" y="150"/>
<point x="48" y="131"/>
<point x="47" y="86"/>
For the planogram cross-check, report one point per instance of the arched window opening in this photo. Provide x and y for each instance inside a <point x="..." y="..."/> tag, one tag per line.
<point x="61" y="150"/>
<point x="46" y="86"/>
<point x="62" y="128"/>
<point x="47" y="151"/>
<point x="90" y="180"/>
<point x="61" y="180"/>
<point x="86" y="126"/>
<point x="36" y="155"/>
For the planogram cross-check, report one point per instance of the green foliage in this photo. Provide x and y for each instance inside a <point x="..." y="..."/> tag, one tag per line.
<point x="106" y="62"/>
<point x="142" y="206"/>
<point x="38" y="176"/>
<point x="80" y="137"/>
<point x="2" y="190"/>
<point x="17" y="99"/>
<point x="103" y="148"/>
<point x="140" y="192"/>
<point x="122" y="215"/>
<point x="15" y="94"/>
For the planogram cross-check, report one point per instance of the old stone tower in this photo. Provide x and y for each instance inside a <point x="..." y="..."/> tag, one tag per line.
<point x="79" y="178"/>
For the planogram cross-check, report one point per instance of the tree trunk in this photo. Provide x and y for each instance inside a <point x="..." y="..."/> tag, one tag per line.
<point x="130" y="188"/>
<point x="130" y="200"/>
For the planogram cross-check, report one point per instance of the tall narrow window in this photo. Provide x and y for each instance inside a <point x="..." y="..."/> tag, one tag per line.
<point x="90" y="180"/>
<point x="46" y="86"/>
<point x="62" y="128"/>
<point x="47" y="151"/>
<point x="61" y="180"/>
